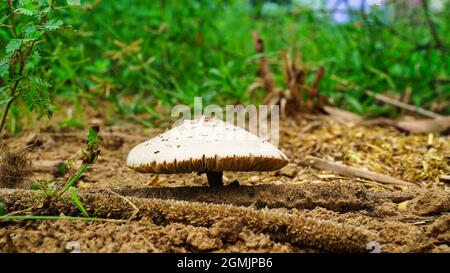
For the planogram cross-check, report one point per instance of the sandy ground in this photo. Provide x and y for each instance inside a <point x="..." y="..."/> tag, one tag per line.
<point x="296" y="209"/>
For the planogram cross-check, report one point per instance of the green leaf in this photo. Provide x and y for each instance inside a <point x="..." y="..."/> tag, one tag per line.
<point x="2" y="209"/>
<point x="63" y="168"/>
<point x="73" y="123"/>
<point x="5" y="100"/>
<point x="36" y="187"/>
<point x="24" y="11"/>
<point x="40" y="82"/>
<point x="4" y="67"/>
<point x="53" y="24"/>
<point x="3" y="90"/>
<point x="13" y="46"/>
<point x="92" y="146"/>
<point x="93" y="138"/>
<point x="356" y="105"/>
<point x="27" y="4"/>
<point x="31" y="32"/>
<point x="76" y="200"/>
<point x="33" y="61"/>
<point x="43" y="3"/>
<point x="36" y="97"/>
<point x="73" y="2"/>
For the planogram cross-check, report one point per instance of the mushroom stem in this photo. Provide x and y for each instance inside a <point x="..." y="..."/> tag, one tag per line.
<point x="214" y="179"/>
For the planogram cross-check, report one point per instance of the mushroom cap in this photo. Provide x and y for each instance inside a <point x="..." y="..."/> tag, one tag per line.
<point x="205" y="145"/>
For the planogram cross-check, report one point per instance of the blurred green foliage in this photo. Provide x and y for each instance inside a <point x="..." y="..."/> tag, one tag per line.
<point x="142" y="54"/>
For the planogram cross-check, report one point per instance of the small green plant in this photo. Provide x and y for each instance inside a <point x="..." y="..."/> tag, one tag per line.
<point x="52" y="190"/>
<point x="2" y="209"/>
<point x="29" y="22"/>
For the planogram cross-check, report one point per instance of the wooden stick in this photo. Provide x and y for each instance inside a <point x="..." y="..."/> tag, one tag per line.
<point x="342" y="169"/>
<point x="403" y="105"/>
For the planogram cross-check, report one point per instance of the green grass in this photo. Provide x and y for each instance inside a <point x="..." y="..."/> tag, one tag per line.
<point x="161" y="53"/>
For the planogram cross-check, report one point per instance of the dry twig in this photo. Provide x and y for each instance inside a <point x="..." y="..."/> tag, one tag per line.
<point x="402" y="105"/>
<point x="136" y="209"/>
<point x="352" y="171"/>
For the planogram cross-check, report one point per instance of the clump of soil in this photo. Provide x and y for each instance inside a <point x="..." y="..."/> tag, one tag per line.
<point x="15" y="168"/>
<point x="431" y="202"/>
<point x="280" y="225"/>
<point x="180" y="226"/>
<point x="137" y="236"/>
<point x="439" y="231"/>
<point x="342" y="196"/>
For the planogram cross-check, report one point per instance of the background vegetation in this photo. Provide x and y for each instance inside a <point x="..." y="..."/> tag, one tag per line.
<point x="139" y="56"/>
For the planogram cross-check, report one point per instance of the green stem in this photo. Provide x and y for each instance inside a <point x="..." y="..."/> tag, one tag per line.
<point x="12" y="92"/>
<point x="75" y="177"/>
<point x="8" y="105"/>
<point x="13" y="18"/>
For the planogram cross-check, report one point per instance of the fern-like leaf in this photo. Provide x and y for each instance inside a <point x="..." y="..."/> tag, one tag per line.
<point x="4" y="67"/>
<point x="53" y="24"/>
<point x="33" y="61"/>
<point x="13" y="46"/>
<point x="36" y="98"/>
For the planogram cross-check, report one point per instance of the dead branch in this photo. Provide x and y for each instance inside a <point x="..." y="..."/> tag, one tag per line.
<point x="419" y="126"/>
<point x="403" y="105"/>
<point x="343" y="115"/>
<point x="435" y="125"/>
<point x="136" y="209"/>
<point x="291" y="97"/>
<point x="342" y="169"/>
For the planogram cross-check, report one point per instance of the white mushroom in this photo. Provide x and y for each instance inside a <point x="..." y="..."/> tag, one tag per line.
<point x="206" y="145"/>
